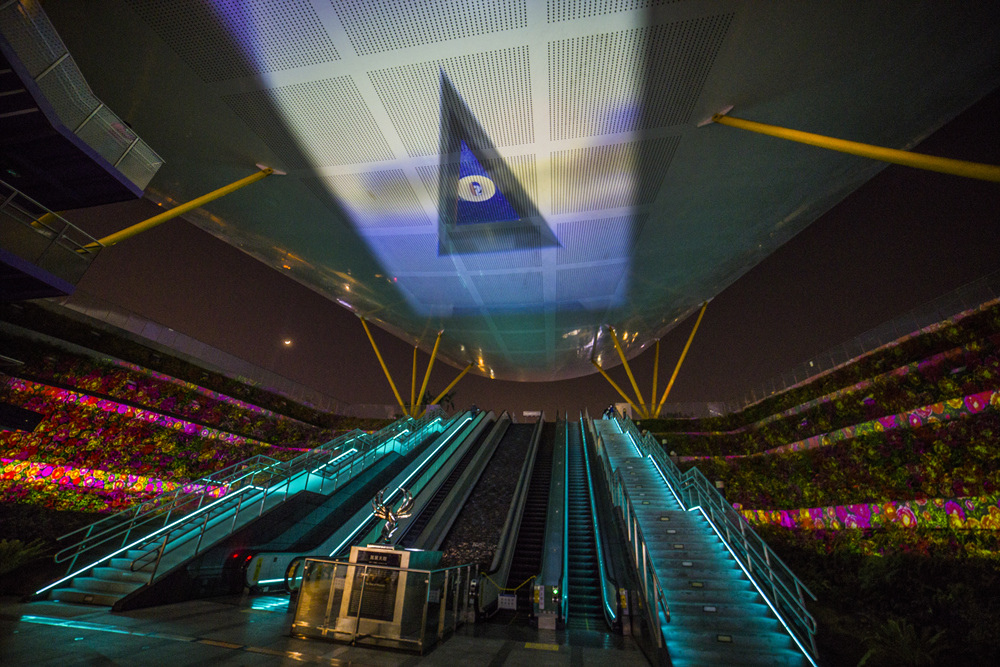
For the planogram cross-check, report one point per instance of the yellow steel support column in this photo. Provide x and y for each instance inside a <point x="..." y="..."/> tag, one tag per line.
<point x="613" y="384"/>
<point x="138" y="228"/>
<point x="628" y="371"/>
<point x="427" y="375"/>
<point x="656" y="373"/>
<point x="448" y="388"/>
<point x="977" y="170"/>
<point x="385" y="369"/>
<point x="413" y="380"/>
<point x="677" y="369"/>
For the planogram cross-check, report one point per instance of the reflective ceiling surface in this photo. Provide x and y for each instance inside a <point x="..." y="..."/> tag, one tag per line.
<point x="522" y="173"/>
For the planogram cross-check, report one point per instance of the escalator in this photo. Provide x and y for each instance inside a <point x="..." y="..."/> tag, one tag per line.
<point x="418" y="524"/>
<point x="584" y="582"/>
<point x="527" y="561"/>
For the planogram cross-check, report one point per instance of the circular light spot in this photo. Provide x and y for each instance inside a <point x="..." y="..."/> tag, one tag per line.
<point x="476" y="188"/>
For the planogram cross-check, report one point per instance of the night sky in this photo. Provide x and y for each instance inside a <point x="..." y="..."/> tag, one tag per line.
<point x="902" y="239"/>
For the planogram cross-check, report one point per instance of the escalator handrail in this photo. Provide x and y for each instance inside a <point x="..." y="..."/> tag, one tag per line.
<point x="508" y="534"/>
<point x="610" y="613"/>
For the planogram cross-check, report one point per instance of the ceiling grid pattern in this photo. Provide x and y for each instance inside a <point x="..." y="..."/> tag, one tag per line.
<point x="213" y="38"/>
<point x="604" y="177"/>
<point x="495" y="85"/>
<point x="376" y="26"/>
<point x="569" y="10"/>
<point x="631" y="80"/>
<point x="335" y="125"/>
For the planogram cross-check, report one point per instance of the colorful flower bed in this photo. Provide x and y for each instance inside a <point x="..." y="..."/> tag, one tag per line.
<point x="127" y="382"/>
<point x="965" y="330"/>
<point x="82" y="432"/>
<point x="941" y="459"/>
<point x="981" y="513"/>
<point x="94" y="479"/>
<point x="951" y="409"/>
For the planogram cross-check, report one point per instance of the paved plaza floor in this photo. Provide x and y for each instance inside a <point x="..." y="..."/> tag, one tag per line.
<point x="256" y="631"/>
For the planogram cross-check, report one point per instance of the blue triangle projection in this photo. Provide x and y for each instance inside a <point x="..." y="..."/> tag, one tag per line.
<point x="482" y="205"/>
<point x="479" y="198"/>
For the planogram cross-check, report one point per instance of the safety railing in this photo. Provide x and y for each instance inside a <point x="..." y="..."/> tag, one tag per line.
<point x="784" y="593"/>
<point x="46" y="60"/>
<point x="434" y="604"/>
<point x="46" y="239"/>
<point x="657" y="609"/>
<point x="260" y="477"/>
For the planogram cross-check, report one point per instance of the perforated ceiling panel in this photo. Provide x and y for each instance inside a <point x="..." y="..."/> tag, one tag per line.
<point x="228" y="40"/>
<point x="588" y="282"/>
<point x="378" y="198"/>
<point x="334" y="126"/>
<point x="598" y="240"/>
<point x="567" y="10"/>
<point x="602" y="177"/>
<point x="495" y="86"/>
<point x="631" y="80"/>
<point x="510" y="288"/>
<point x="374" y="26"/>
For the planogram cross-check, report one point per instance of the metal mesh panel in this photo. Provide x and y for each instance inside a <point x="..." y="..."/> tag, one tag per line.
<point x="68" y="93"/>
<point x="631" y="80"/>
<point x="495" y="85"/>
<point x="333" y="122"/>
<point x="568" y="10"/>
<point x="140" y="164"/>
<point x="602" y="177"/>
<point x="378" y="198"/>
<point x="107" y="135"/>
<point x="32" y="36"/>
<point x="521" y="287"/>
<point x="375" y="26"/>
<point x="597" y="240"/>
<point x="591" y="281"/>
<point x="231" y="40"/>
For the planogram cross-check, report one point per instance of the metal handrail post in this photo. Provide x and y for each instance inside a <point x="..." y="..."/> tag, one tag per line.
<point x="427" y="601"/>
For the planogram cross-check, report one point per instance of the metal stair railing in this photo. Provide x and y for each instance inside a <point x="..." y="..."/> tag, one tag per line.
<point x="657" y="607"/>
<point x="784" y="593"/>
<point x="197" y="526"/>
<point x="110" y="536"/>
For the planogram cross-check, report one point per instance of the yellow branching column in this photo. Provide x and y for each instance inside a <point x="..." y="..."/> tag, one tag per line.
<point x="385" y="369"/>
<point x="643" y="412"/>
<point x="677" y="369"/>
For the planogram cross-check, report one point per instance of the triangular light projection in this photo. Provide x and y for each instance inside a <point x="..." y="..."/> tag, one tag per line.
<point x="481" y="204"/>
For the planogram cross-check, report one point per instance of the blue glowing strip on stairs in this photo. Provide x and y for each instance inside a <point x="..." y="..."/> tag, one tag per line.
<point x="145" y="538"/>
<point x="759" y="589"/>
<point x="365" y="521"/>
<point x="664" y="477"/>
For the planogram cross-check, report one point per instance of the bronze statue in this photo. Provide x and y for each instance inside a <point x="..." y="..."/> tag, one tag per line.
<point x="391" y="518"/>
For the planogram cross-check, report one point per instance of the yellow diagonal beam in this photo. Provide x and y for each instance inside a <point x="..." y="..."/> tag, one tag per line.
<point x="628" y="371"/>
<point x="656" y="373"/>
<point x="138" y="228"/>
<point x="427" y="375"/>
<point x="613" y="384"/>
<point x="413" y="380"/>
<point x="977" y="170"/>
<point x="448" y="388"/>
<point x="677" y="368"/>
<point x="385" y="369"/>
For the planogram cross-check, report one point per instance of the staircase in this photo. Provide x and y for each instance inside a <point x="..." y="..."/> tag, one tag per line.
<point x="124" y="552"/>
<point x="712" y="614"/>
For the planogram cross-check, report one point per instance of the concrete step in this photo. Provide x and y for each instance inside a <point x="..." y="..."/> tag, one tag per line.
<point x="712" y="596"/>
<point x="692" y="638"/>
<point x="83" y="597"/>
<point x="116" y="574"/>
<point x="753" y="621"/>
<point x="95" y="585"/>
<point x="124" y="564"/>
<point x="681" y="657"/>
